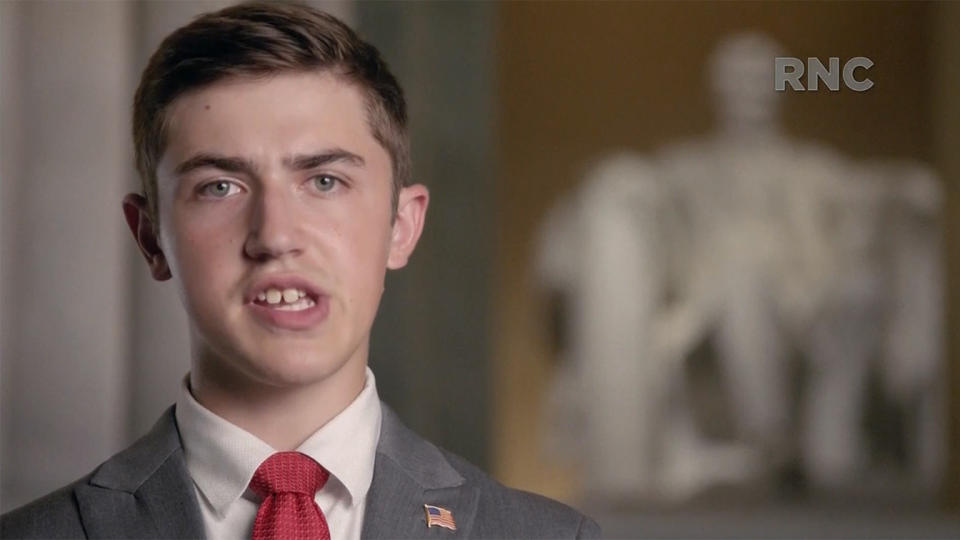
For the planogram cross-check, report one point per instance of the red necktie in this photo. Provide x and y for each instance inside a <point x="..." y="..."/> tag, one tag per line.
<point x="287" y="482"/>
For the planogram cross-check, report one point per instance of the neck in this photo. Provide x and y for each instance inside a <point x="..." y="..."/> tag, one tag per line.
<point x="281" y="415"/>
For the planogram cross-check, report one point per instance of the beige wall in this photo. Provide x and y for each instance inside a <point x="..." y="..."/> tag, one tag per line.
<point x="946" y="127"/>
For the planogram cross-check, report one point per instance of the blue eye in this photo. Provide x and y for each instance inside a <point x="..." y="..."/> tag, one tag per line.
<point x="219" y="189"/>
<point x="325" y="182"/>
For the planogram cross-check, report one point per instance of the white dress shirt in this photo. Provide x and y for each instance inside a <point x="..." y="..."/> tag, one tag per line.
<point x="222" y="458"/>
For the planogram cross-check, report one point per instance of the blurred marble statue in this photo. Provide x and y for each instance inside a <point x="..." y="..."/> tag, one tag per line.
<point x="763" y="247"/>
<point x="882" y="308"/>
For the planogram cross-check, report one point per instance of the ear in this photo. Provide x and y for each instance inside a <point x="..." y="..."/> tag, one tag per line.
<point x="408" y="224"/>
<point x="145" y="233"/>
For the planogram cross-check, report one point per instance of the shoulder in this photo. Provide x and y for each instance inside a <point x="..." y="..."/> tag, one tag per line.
<point x="55" y="515"/>
<point x="489" y="509"/>
<point x="528" y="514"/>
<point x="107" y="501"/>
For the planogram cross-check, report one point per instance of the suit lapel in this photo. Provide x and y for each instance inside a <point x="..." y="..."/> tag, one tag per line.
<point x="143" y="492"/>
<point x="146" y="491"/>
<point x="408" y="473"/>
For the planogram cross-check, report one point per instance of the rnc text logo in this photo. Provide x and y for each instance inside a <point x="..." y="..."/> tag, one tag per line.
<point x="789" y="70"/>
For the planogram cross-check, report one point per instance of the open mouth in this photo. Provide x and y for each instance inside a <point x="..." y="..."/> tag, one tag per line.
<point x="288" y="302"/>
<point x="289" y="299"/>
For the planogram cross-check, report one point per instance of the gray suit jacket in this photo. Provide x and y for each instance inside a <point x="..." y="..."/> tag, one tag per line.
<point x="145" y="491"/>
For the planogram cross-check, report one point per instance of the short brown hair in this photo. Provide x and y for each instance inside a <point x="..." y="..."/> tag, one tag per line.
<point x="255" y="39"/>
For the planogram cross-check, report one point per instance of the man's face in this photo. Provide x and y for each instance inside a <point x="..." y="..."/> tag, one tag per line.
<point x="275" y="222"/>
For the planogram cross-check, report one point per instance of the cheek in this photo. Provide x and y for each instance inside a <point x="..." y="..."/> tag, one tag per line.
<point x="364" y="247"/>
<point x="201" y="251"/>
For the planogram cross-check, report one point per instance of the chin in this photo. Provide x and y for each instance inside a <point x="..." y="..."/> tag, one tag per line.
<point x="296" y="367"/>
<point x="268" y="359"/>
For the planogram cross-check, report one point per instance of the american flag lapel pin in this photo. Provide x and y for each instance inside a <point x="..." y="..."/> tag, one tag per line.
<point x="439" y="517"/>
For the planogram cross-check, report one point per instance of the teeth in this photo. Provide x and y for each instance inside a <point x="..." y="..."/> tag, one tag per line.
<point x="275" y="296"/>
<point x="299" y="305"/>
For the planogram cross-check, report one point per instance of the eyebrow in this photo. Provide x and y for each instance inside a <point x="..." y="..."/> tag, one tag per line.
<point x="298" y="162"/>
<point x="224" y="163"/>
<point x="309" y="161"/>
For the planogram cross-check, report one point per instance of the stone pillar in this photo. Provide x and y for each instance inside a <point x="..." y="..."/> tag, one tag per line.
<point x="65" y="85"/>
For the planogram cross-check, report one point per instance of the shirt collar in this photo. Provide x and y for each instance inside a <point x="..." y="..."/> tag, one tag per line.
<point x="222" y="457"/>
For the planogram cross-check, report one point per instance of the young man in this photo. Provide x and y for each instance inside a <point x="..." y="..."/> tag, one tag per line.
<point x="272" y="145"/>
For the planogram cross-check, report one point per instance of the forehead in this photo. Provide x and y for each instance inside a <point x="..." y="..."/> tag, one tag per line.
<point x="265" y="117"/>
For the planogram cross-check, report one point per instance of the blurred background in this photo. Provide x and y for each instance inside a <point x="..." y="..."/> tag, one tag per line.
<point x="649" y="286"/>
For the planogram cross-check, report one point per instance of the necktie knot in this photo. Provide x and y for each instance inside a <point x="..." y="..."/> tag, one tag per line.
<point x="287" y="482"/>
<point x="289" y="472"/>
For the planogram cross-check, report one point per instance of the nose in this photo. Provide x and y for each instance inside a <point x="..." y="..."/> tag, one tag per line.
<point x="273" y="226"/>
